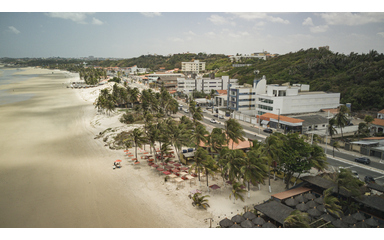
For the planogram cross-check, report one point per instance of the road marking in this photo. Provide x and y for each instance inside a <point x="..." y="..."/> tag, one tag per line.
<point x="356" y="165"/>
<point x="378" y="177"/>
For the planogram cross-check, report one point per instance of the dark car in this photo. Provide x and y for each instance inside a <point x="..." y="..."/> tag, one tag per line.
<point x="364" y="160"/>
<point x="215" y="115"/>
<point x="369" y="179"/>
<point x="268" y="130"/>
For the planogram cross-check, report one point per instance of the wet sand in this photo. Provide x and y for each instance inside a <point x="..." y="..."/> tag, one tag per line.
<point x="54" y="174"/>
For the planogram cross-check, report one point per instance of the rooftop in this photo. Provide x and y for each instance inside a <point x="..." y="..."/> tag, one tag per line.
<point x="378" y="121"/>
<point x="268" y="116"/>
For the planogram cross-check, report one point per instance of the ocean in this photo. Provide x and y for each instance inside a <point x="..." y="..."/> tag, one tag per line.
<point x="8" y="76"/>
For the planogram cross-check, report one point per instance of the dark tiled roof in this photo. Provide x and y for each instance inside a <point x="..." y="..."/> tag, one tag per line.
<point x="372" y="201"/>
<point x="275" y="210"/>
<point x="376" y="187"/>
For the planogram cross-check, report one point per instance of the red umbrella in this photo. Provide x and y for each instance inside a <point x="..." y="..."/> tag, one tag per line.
<point x="155" y="165"/>
<point x="184" y="168"/>
<point x="150" y="163"/>
<point x="168" y="167"/>
<point x="171" y="162"/>
<point x="177" y="164"/>
<point x="163" y="164"/>
<point x="118" y="161"/>
<point x="150" y="160"/>
<point x="175" y="170"/>
<point x="126" y="150"/>
<point x="137" y="162"/>
<point x="214" y="186"/>
<point x="160" y="169"/>
<point x="166" y="173"/>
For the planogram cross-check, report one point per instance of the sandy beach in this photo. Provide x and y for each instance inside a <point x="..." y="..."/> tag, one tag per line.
<point x="53" y="173"/>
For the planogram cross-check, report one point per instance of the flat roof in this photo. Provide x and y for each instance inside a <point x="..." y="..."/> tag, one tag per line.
<point x="291" y="193"/>
<point x="275" y="210"/>
<point x="365" y="143"/>
<point x="313" y="119"/>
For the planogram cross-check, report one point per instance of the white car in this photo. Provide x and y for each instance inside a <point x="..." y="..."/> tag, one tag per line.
<point x="213" y="121"/>
<point x="180" y="105"/>
<point x="186" y="111"/>
<point x="204" y="111"/>
<point x="221" y="117"/>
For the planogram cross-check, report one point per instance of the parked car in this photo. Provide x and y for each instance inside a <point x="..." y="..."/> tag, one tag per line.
<point x="180" y="105"/>
<point x="369" y="179"/>
<point x="221" y="116"/>
<point x="355" y="174"/>
<point x="215" y="115"/>
<point x="186" y="111"/>
<point x="204" y="111"/>
<point x="364" y="160"/>
<point x="213" y="120"/>
<point x="268" y="130"/>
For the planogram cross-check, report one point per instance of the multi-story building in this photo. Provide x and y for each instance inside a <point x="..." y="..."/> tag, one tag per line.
<point x="193" y="67"/>
<point x="187" y="85"/>
<point x="280" y="99"/>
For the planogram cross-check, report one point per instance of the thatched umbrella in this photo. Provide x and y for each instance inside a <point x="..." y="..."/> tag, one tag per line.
<point x="249" y="215"/>
<point x="225" y="223"/>
<point x="339" y="223"/>
<point x="258" y="221"/>
<point x="237" y="219"/>
<point x="235" y="226"/>
<point x="269" y="225"/>
<point x="359" y="216"/>
<point x="327" y="217"/>
<point x="321" y="208"/>
<point x="311" y="204"/>
<point x="256" y="226"/>
<point x="300" y="198"/>
<point x="291" y="202"/>
<point x="353" y="226"/>
<point x="372" y="222"/>
<point x="247" y="224"/>
<point x="349" y="219"/>
<point x="309" y="196"/>
<point x="362" y="224"/>
<point x="319" y="200"/>
<point x="302" y="207"/>
<point x="314" y="212"/>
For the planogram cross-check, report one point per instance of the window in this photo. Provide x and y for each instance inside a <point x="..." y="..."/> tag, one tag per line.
<point x="269" y="101"/>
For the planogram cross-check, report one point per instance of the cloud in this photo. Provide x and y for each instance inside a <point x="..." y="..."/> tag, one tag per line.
<point x="264" y="16"/>
<point x="352" y="19"/>
<point x="190" y="33"/>
<point x="217" y="20"/>
<point x="97" y="21"/>
<point x="308" y="22"/>
<point x="14" y="30"/>
<point x="76" y="17"/>
<point x="319" y="29"/>
<point x="151" y="14"/>
<point x="176" y="39"/>
<point x="381" y="34"/>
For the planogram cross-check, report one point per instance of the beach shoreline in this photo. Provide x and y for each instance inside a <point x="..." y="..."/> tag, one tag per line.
<point x="55" y="174"/>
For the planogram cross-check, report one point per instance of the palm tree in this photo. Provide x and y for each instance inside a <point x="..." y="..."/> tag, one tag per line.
<point x="231" y="161"/>
<point x="209" y="167"/>
<point x="362" y="130"/>
<point x="341" y="118"/>
<point x="138" y="138"/>
<point x="199" y="135"/>
<point x="237" y="192"/>
<point x="200" y="201"/>
<point x="297" y="219"/>
<point x="216" y="140"/>
<point x="272" y="150"/>
<point x="200" y="155"/>
<point x="331" y="127"/>
<point x="179" y="136"/>
<point x="234" y="131"/>
<point x="254" y="169"/>
<point x="331" y="203"/>
<point x="336" y="145"/>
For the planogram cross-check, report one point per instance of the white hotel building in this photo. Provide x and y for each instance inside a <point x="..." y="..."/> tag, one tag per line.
<point x="187" y="85"/>
<point x="285" y="99"/>
<point x="193" y="67"/>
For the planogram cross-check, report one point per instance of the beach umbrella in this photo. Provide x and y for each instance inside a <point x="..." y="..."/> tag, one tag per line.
<point x="327" y="217"/>
<point x="249" y="215"/>
<point x="229" y="182"/>
<point x="353" y="226"/>
<point x="291" y="202"/>
<point x="371" y="222"/>
<point x="300" y="198"/>
<point x="195" y="191"/>
<point x="237" y="219"/>
<point x="339" y="223"/>
<point x="118" y="161"/>
<point x="184" y="168"/>
<point x="160" y="169"/>
<point x="225" y="223"/>
<point x="349" y="220"/>
<point x="163" y="164"/>
<point x="311" y="204"/>
<point x="309" y="196"/>
<point x="155" y="165"/>
<point x="168" y="167"/>
<point x="214" y="186"/>
<point x="246" y="224"/>
<point x="235" y="225"/>
<point x="359" y="216"/>
<point x="269" y="225"/>
<point x="175" y="170"/>
<point x="137" y="162"/>
<point x="258" y="221"/>
<point x="302" y="207"/>
<point x="166" y="173"/>
<point x="150" y="163"/>
<point x="171" y="162"/>
<point x="321" y="208"/>
<point x="177" y="164"/>
<point x="256" y="226"/>
<point x="319" y="200"/>
<point x="314" y="212"/>
<point x="362" y="224"/>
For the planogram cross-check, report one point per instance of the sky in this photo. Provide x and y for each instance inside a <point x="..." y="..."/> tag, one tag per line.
<point x="159" y="28"/>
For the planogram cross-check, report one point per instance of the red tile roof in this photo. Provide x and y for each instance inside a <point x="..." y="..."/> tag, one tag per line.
<point x="241" y="145"/>
<point x="222" y="92"/>
<point x="268" y="116"/>
<point x="373" y="138"/>
<point x="378" y="121"/>
<point x="331" y="110"/>
<point x="382" y="111"/>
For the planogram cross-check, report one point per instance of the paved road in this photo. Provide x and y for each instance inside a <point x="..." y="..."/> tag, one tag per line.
<point x="341" y="159"/>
